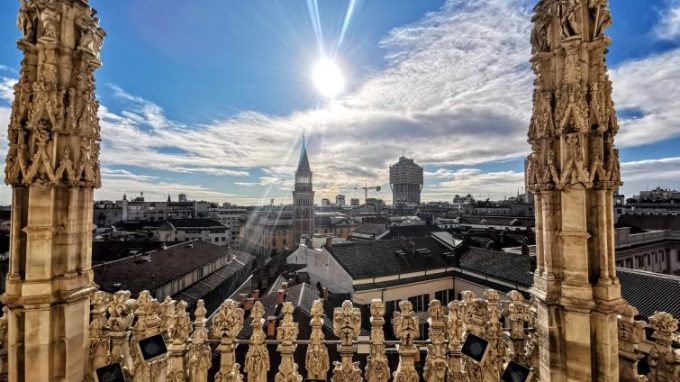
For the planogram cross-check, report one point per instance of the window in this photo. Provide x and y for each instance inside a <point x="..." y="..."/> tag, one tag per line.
<point x="445" y="296"/>
<point x="420" y="302"/>
<point x="391" y="307"/>
<point x="423" y="329"/>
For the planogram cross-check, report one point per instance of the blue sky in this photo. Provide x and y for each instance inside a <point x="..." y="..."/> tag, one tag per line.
<point x="211" y="97"/>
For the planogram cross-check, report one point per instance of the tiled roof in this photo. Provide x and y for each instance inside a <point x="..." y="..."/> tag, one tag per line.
<point x="520" y="221"/>
<point x="371" y="229"/>
<point x="506" y="266"/>
<point x="195" y="223"/>
<point x="207" y="284"/>
<point x="109" y="250"/>
<point x="651" y="222"/>
<point x="379" y="258"/>
<point x="135" y="274"/>
<point x="649" y="292"/>
<point x="409" y="231"/>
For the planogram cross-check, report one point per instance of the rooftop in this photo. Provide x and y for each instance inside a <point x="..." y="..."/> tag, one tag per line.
<point x="388" y="257"/>
<point x="156" y="268"/>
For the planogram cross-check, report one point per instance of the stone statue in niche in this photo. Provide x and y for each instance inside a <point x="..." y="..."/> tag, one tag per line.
<point x="540" y="34"/>
<point x="599" y="10"/>
<point x="571" y="18"/>
<point x="50" y="19"/>
<point x="90" y="35"/>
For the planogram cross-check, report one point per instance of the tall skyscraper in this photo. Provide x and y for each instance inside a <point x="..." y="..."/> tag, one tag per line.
<point x="340" y="200"/>
<point x="406" y="180"/>
<point x="303" y="198"/>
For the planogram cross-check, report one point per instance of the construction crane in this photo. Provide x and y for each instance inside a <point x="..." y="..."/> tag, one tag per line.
<point x="366" y="188"/>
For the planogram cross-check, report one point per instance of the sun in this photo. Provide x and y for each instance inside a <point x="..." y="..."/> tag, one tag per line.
<point x="328" y="78"/>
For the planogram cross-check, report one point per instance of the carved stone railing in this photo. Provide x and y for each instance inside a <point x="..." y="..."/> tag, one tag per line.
<point x="118" y="323"/>
<point x="655" y="343"/>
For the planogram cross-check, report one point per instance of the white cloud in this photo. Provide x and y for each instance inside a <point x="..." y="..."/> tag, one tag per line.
<point x="492" y="184"/>
<point x="647" y="174"/>
<point x="648" y="86"/>
<point x="119" y="182"/>
<point x="457" y="78"/>
<point x="7" y="88"/>
<point x="668" y="27"/>
<point x="456" y="90"/>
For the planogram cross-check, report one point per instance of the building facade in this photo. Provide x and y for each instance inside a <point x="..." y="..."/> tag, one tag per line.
<point x="406" y="180"/>
<point x="303" y="198"/>
<point x="208" y="230"/>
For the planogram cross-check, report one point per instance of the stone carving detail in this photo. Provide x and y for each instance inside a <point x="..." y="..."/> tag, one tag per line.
<point x="519" y="316"/>
<point x="257" y="357"/>
<point x="99" y="337"/>
<point x="664" y="361"/>
<point x="121" y="313"/>
<point x="286" y="334"/>
<point x="631" y="333"/>
<point x="316" y="358"/>
<point x="165" y="312"/>
<point x="346" y="325"/>
<point x="199" y="356"/>
<point x="455" y="327"/>
<point x="146" y="325"/>
<point x="377" y="369"/>
<point x="227" y="324"/>
<point x="54" y="129"/>
<point x="435" y="363"/>
<point x="572" y="23"/>
<point x="494" y="333"/>
<point x="599" y="12"/>
<point x="540" y="34"/>
<point x="407" y="330"/>
<point x="574" y="121"/>
<point x="189" y="355"/>
<point x="179" y="329"/>
<point x="4" y="344"/>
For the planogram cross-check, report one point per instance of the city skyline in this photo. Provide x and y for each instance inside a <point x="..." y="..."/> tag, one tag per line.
<point x="185" y="113"/>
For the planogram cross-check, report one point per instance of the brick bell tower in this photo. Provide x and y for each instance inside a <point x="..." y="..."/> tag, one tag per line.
<point x="303" y="198"/>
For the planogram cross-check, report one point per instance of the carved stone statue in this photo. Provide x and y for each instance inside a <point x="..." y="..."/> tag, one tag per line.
<point x="406" y="329"/>
<point x="435" y="363"/>
<point x="376" y="365"/>
<point x="572" y="21"/>
<point x="601" y="16"/>
<point x="346" y="325"/>
<point x="25" y="21"/>
<point x="227" y="323"/>
<point x="541" y="32"/>
<point x="50" y="20"/>
<point x="316" y="358"/>
<point x="199" y="357"/>
<point x="257" y="357"/>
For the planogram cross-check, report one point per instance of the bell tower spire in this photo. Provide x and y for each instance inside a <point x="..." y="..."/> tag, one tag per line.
<point x="303" y="197"/>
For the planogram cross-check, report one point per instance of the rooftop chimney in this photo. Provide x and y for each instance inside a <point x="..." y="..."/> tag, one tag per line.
<point x="255" y="294"/>
<point x="248" y="304"/>
<point x="324" y="294"/>
<point x="271" y="326"/>
<point x="280" y="296"/>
